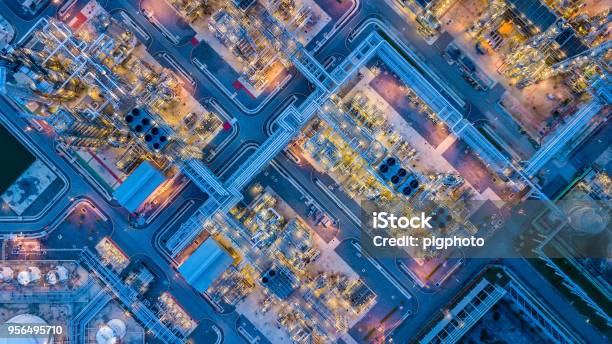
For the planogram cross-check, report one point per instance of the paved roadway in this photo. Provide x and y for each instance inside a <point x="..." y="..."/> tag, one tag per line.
<point x="337" y="46"/>
<point x="478" y="103"/>
<point x="133" y="242"/>
<point x="428" y="302"/>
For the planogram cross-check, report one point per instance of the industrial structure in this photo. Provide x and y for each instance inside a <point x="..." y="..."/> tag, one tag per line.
<point x="207" y="171"/>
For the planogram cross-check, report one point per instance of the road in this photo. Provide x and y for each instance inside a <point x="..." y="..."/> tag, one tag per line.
<point x="134" y="242"/>
<point x="428" y="302"/>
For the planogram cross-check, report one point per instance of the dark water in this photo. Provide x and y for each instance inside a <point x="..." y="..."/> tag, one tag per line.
<point x="15" y="159"/>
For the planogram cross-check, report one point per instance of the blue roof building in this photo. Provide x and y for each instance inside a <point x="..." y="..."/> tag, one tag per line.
<point x="138" y="186"/>
<point x="205" y="265"/>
